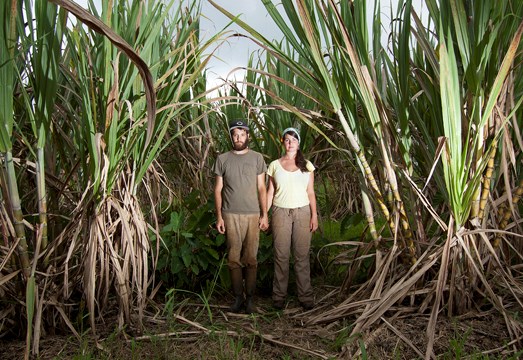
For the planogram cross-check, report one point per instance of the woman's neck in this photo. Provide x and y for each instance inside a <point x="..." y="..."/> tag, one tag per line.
<point x="290" y="155"/>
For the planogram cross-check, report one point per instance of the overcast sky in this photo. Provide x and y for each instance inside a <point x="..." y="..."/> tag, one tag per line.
<point x="253" y="12"/>
<point x="236" y="52"/>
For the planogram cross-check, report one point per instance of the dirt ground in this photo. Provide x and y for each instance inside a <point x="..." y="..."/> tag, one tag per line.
<point x="194" y="331"/>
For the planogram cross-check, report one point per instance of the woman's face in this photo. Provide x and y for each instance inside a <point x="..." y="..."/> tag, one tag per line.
<point x="290" y="143"/>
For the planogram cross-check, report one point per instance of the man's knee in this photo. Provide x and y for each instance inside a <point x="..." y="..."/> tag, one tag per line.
<point x="251" y="264"/>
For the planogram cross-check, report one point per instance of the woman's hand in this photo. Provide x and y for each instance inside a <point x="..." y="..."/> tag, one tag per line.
<point x="313" y="226"/>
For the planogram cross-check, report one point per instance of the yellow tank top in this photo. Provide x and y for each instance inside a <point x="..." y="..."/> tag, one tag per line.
<point x="290" y="186"/>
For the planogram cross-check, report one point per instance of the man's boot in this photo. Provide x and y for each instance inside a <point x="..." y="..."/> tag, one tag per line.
<point x="237" y="289"/>
<point x="250" y="288"/>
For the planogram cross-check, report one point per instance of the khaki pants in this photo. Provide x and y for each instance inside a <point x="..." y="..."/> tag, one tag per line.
<point x="243" y="237"/>
<point x="290" y="228"/>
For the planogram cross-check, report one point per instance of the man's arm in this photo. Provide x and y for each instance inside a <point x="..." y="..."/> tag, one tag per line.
<point x="262" y="198"/>
<point x="218" y="186"/>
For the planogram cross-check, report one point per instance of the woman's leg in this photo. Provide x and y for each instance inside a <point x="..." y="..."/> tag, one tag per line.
<point x="301" y="244"/>
<point x="281" y="234"/>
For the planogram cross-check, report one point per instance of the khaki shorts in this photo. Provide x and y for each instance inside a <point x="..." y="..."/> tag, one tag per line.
<point x="243" y="238"/>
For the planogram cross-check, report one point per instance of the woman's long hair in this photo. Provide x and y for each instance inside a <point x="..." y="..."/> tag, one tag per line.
<point x="300" y="161"/>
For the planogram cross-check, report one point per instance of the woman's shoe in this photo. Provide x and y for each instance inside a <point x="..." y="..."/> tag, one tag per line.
<point x="278" y="304"/>
<point x="309" y="305"/>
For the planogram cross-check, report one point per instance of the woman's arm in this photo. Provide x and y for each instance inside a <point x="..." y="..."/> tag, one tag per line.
<point x="312" y="203"/>
<point x="270" y="192"/>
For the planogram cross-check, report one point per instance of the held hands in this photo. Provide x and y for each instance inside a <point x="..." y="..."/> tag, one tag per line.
<point x="264" y="222"/>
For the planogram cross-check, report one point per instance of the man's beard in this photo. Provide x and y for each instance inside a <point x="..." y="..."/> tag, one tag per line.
<point x="240" y="146"/>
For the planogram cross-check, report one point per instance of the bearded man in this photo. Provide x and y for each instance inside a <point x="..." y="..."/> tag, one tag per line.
<point x="240" y="197"/>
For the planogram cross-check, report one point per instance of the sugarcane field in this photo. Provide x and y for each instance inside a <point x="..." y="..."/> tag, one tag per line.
<point x="261" y="179"/>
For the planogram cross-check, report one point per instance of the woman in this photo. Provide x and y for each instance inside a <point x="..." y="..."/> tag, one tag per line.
<point x="294" y="219"/>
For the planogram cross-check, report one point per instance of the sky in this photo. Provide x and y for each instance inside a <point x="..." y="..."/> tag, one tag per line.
<point x="236" y="52"/>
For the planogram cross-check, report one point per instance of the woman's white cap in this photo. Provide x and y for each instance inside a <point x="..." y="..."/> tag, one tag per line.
<point x="293" y="130"/>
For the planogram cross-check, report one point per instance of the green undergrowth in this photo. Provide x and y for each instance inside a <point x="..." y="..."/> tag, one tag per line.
<point x="191" y="253"/>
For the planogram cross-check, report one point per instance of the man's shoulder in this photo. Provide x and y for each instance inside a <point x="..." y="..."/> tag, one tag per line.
<point x="248" y="156"/>
<point x="224" y="155"/>
<point x="255" y="153"/>
<point x="260" y="160"/>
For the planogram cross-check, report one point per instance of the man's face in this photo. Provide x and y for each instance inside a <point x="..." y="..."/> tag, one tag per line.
<point x="240" y="139"/>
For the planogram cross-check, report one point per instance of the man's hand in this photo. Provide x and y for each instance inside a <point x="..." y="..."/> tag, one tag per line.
<point x="264" y="222"/>
<point x="220" y="225"/>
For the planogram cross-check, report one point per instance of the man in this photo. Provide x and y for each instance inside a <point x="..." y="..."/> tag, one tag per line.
<point x="240" y="194"/>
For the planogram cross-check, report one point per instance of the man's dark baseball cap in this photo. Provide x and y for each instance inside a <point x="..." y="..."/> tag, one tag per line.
<point x="238" y="124"/>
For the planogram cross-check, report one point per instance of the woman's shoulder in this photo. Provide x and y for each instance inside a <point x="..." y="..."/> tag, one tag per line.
<point x="273" y="165"/>
<point x="275" y="162"/>
<point x="309" y="166"/>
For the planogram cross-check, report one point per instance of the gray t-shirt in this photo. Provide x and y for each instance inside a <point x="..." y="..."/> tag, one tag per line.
<point x="240" y="189"/>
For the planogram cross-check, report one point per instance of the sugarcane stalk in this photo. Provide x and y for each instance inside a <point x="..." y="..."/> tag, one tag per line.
<point x="479" y="191"/>
<point x="49" y="32"/>
<point x="487" y="179"/>
<point x="407" y="238"/>
<point x="369" y="214"/>
<point x="367" y="172"/>
<point x="17" y="214"/>
<point x="6" y="226"/>
<point x="371" y="180"/>
<point x="405" y="225"/>
<point x="390" y="195"/>
<point x="8" y="39"/>
<point x="42" y="199"/>
<point x="475" y="203"/>
<point x="506" y="213"/>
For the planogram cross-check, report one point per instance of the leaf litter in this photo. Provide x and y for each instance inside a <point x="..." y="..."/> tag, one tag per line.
<point x="197" y="331"/>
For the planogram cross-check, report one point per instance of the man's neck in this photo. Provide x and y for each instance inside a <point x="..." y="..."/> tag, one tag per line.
<point x="240" y="152"/>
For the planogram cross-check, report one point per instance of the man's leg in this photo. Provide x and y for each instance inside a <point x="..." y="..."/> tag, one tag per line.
<point x="249" y="258"/>
<point x="234" y="235"/>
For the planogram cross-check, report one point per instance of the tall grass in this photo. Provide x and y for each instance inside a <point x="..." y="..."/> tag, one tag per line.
<point x="94" y="103"/>
<point x="422" y="135"/>
<point x="423" y="118"/>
